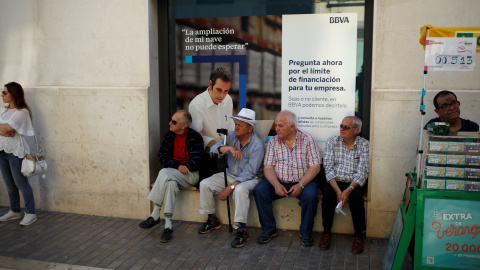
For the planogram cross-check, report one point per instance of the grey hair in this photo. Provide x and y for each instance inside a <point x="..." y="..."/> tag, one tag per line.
<point x="356" y="123"/>
<point x="291" y="117"/>
<point x="186" y="118"/>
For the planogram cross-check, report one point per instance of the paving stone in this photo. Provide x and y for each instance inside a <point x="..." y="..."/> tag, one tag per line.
<point x="105" y="242"/>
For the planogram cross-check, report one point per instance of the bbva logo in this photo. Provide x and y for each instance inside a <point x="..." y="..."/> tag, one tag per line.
<point x="339" y="20"/>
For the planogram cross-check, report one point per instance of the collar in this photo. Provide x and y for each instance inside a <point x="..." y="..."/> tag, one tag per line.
<point x="354" y="142"/>
<point x="238" y="140"/>
<point x="208" y="99"/>
<point x="184" y="134"/>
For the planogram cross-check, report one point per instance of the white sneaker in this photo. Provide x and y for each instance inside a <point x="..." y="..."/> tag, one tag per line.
<point x="28" y="219"/>
<point x="10" y="215"/>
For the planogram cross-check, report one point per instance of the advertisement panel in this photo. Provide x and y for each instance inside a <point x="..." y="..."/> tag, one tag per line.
<point x="451" y="233"/>
<point x="318" y="74"/>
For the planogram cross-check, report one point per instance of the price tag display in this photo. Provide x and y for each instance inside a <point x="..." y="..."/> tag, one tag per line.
<point x="450" y="54"/>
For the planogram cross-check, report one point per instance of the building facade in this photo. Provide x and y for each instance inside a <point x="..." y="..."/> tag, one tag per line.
<point x="97" y="78"/>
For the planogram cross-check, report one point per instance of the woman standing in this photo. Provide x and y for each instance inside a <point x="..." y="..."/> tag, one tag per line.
<point x="15" y="120"/>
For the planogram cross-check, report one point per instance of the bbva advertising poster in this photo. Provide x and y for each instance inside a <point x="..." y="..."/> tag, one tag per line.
<point x="302" y="63"/>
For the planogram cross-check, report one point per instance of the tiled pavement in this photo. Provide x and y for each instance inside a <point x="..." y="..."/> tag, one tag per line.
<point x="72" y="241"/>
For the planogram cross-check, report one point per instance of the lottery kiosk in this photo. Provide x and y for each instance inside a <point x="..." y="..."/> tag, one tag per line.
<point x="440" y="210"/>
<point x="439" y="216"/>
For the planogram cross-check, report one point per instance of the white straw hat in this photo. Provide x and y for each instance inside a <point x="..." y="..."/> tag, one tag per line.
<point x="247" y="116"/>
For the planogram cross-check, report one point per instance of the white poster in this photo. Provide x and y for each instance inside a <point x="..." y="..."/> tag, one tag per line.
<point x="450" y="54"/>
<point x="318" y="71"/>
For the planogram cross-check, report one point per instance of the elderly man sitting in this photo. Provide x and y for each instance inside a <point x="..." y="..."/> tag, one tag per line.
<point x="181" y="157"/>
<point x="346" y="169"/>
<point x="245" y="156"/>
<point x="292" y="161"/>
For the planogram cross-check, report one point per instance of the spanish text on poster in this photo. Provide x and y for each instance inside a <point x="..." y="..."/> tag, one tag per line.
<point x="318" y="71"/>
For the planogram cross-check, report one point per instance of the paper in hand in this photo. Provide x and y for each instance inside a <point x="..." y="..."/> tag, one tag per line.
<point x="338" y="209"/>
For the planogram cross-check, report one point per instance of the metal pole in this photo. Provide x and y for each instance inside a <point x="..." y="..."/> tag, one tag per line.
<point x="422" y="111"/>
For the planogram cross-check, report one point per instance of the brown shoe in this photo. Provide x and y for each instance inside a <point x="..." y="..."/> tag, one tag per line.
<point x="325" y="241"/>
<point x="357" y="246"/>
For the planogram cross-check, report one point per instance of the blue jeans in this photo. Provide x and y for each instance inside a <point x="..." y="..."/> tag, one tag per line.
<point x="264" y="194"/>
<point x="10" y="167"/>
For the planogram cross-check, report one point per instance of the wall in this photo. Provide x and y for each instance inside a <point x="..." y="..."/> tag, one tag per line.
<point x="89" y="72"/>
<point x="85" y="68"/>
<point x="397" y="83"/>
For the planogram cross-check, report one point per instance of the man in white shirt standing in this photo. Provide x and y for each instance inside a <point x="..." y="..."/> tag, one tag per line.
<point x="211" y="110"/>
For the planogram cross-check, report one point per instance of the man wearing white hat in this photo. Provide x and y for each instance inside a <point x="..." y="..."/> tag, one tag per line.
<point x="245" y="157"/>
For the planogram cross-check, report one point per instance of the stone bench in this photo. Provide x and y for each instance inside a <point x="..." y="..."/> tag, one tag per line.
<point x="287" y="212"/>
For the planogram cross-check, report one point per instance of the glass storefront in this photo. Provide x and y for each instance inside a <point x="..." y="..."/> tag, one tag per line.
<point x="224" y="29"/>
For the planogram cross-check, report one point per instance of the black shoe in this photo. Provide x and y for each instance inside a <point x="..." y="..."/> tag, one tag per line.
<point x="211" y="224"/>
<point x="166" y="235"/>
<point x="266" y="237"/>
<point x="307" y="241"/>
<point x="241" y="238"/>
<point x="149" y="223"/>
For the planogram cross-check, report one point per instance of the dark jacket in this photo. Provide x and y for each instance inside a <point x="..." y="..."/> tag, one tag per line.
<point x="194" y="147"/>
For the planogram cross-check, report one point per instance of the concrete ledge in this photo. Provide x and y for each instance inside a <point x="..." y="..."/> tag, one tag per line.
<point x="287" y="213"/>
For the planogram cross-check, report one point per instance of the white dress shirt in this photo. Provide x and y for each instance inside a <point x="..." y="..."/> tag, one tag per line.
<point x="208" y="117"/>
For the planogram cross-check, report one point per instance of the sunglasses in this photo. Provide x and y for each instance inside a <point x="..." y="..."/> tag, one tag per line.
<point x="174" y="122"/>
<point x="4" y="93"/>
<point x="345" y="127"/>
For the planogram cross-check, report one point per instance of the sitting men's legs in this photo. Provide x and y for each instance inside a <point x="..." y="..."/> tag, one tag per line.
<point x="241" y="197"/>
<point x="208" y="188"/>
<point x="329" y="202"/>
<point x="163" y="192"/>
<point x="309" y="203"/>
<point x="357" y="208"/>
<point x="264" y="194"/>
<point x="160" y="192"/>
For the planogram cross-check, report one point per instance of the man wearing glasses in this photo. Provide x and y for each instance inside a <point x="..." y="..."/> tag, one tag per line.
<point x="448" y="109"/>
<point x="346" y="169"/>
<point x="181" y="157"/>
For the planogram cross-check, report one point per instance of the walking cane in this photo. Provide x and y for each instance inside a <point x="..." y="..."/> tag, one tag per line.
<point x="225" y="165"/>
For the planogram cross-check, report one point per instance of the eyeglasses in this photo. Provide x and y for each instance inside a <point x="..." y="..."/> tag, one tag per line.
<point x="446" y="107"/>
<point x="345" y="127"/>
<point x="174" y="122"/>
<point x="4" y="93"/>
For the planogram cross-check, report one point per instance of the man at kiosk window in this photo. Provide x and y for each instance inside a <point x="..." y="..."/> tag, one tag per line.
<point x="346" y="163"/>
<point x="447" y="107"/>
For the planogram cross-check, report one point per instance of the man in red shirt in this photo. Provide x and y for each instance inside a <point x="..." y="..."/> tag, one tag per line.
<point x="181" y="156"/>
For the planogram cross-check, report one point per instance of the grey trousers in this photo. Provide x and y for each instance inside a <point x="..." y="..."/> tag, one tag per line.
<point x="166" y="187"/>
<point x="215" y="184"/>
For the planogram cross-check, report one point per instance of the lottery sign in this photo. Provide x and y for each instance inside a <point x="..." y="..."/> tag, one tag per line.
<point x="450" y="54"/>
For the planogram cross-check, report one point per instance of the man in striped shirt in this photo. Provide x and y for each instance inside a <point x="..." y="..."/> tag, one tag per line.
<point x="292" y="161"/>
<point x="346" y="165"/>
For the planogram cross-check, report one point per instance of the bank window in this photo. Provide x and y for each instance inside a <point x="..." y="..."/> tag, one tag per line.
<point x="224" y="29"/>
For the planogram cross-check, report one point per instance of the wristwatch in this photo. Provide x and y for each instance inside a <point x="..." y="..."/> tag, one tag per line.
<point x="352" y="187"/>
<point x="301" y="185"/>
<point x="232" y="186"/>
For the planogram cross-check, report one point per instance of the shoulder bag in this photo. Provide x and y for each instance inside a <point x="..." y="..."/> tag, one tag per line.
<point x="33" y="164"/>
